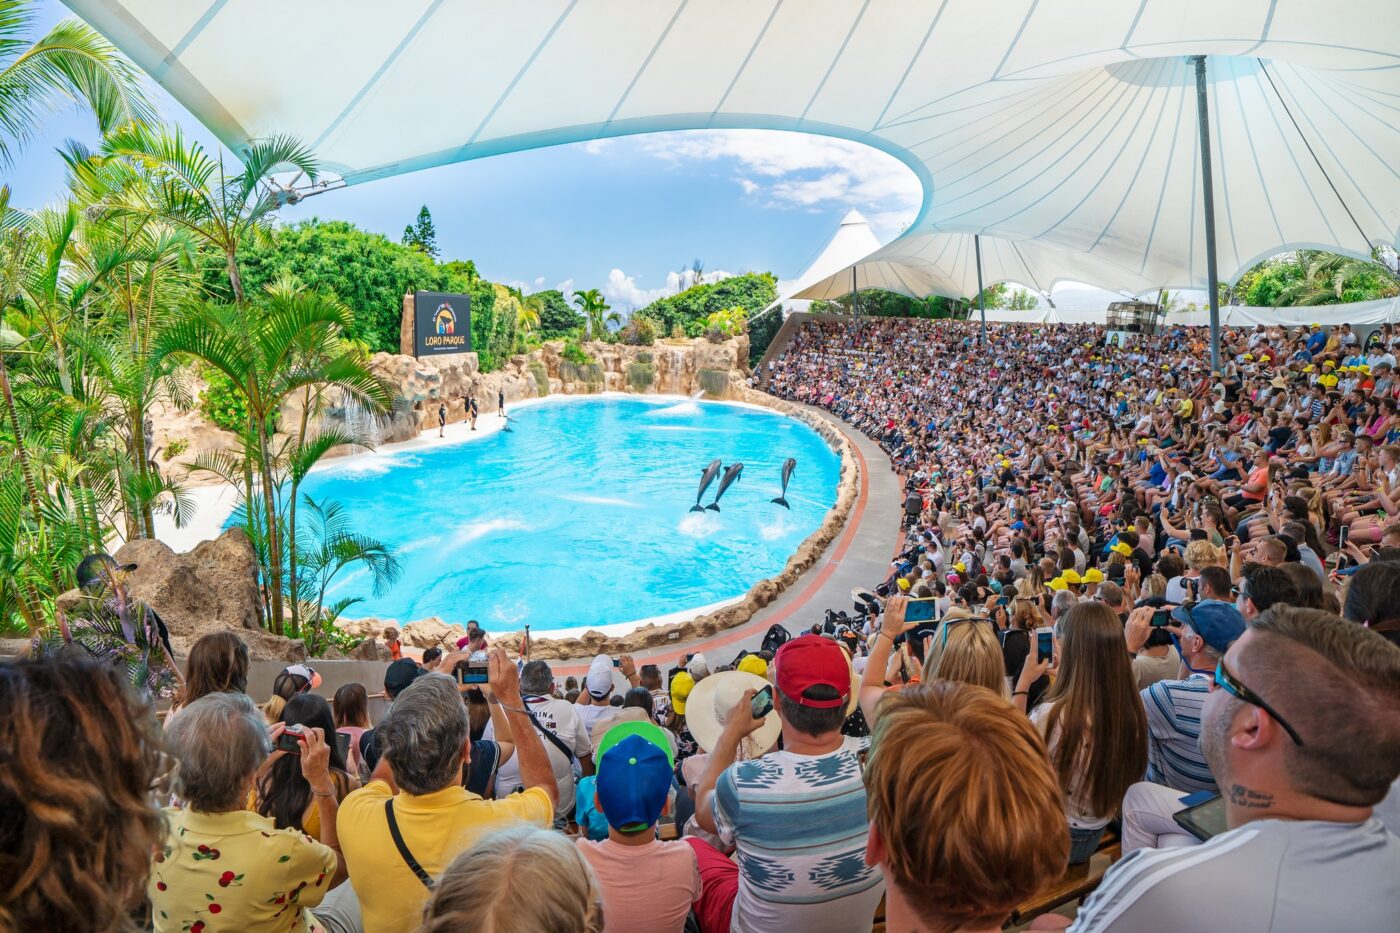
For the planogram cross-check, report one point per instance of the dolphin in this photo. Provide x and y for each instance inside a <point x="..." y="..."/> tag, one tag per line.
<point x="706" y="478"/>
<point x="731" y="475"/>
<point x="789" y="465"/>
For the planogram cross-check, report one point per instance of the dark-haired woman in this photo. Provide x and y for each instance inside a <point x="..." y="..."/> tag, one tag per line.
<point x="281" y="790"/>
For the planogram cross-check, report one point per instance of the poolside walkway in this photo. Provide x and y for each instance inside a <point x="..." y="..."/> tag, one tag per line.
<point x="860" y="556"/>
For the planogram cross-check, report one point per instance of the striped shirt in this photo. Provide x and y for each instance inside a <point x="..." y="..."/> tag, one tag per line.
<point x="799" y="824"/>
<point x="1268" y="876"/>
<point x="1174" y="756"/>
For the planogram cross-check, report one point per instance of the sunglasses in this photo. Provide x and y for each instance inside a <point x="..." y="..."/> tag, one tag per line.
<point x="1227" y="682"/>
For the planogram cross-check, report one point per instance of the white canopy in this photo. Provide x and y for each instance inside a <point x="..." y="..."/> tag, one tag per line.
<point x="852" y="242"/>
<point x="1064" y="127"/>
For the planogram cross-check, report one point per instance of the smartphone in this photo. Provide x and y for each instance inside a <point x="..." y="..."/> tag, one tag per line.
<point x="471" y="672"/>
<point x="342" y="741"/>
<point x="1342" y="536"/>
<point x="921" y="610"/>
<point x="1003" y="600"/>
<point x="762" y="703"/>
<point x="1044" y="644"/>
<point x="1193" y="585"/>
<point x="290" y="740"/>
<point x="1161" y="617"/>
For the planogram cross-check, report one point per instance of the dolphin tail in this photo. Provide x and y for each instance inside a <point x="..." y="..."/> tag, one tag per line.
<point x="713" y="506"/>
<point x="697" y="507"/>
<point x="783" y="502"/>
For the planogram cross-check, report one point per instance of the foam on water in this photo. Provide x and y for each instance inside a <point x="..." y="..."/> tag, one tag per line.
<point x="700" y="524"/>
<point x="469" y="532"/>
<point x="780" y="525"/>
<point x="601" y="500"/>
<point x="678" y="410"/>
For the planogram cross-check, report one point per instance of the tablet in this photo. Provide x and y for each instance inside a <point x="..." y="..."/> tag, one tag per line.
<point x="1203" y="820"/>
<point x="921" y="610"/>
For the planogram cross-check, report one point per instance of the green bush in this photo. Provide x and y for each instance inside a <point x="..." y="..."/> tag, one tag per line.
<point x="645" y="358"/>
<point x="591" y="373"/>
<point x="221" y="403"/>
<point x="640" y="375"/>
<point x="639" y="332"/>
<point x="573" y="353"/>
<point x="177" y="446"/>
<point x="685" y="314"/>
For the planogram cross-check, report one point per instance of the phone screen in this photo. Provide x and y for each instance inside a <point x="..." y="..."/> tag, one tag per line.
<point x="471" y="672"/>
<point x="920" y="610"/>
<point x="1044" y="644"/>
<point x="342" y="739"/>
<point x="762" y="702"/>
<point x="1161" y="617"/>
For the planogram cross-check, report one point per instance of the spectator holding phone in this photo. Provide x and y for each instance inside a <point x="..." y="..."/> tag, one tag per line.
<point x="404" y="827"/>
<point x="1302" y="732"/>
<point x="282" y="790"/>
<point x="221" y="865"/>
<point x="796" y="817"/>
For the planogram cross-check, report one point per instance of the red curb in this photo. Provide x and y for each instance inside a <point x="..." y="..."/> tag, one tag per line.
<point x="809" y="589"/>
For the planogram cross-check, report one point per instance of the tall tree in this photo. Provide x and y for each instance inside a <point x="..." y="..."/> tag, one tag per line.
<point x="422" y="234"/>
<point x="595" y="310"/>
<point x="71" y="63"/>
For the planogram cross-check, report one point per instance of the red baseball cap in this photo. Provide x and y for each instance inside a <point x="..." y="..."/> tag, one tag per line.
<point x="808" y="661"/>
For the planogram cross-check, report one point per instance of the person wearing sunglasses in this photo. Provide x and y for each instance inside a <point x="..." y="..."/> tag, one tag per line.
<point x="1302" y="732"/>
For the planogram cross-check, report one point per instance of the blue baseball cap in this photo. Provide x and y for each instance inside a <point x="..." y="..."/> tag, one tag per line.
<point x="634" y="779"/>
<point x="1018" y="526"/>
<point x="1218" y="623"/>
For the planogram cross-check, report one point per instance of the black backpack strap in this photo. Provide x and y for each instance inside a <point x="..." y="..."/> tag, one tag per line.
<point x="558" y="742"/>
<point x="402" y="846"/>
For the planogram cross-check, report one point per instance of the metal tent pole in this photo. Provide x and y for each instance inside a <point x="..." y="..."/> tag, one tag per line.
<point x="981" y="298"/>
<point x="1207" y="191"/>
<point x="855" y="295"/>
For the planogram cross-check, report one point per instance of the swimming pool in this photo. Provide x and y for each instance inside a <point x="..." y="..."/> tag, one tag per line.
<point x="580" y="516"/>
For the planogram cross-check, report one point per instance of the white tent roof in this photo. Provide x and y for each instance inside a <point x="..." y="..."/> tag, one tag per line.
<point x="1067" y="125"/>
<point x="852" y="242"/>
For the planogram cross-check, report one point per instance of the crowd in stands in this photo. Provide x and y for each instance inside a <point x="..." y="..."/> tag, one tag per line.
<point x="1138" y="607"/>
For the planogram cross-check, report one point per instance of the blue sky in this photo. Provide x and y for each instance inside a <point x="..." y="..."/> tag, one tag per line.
<point x="620" y="215"/>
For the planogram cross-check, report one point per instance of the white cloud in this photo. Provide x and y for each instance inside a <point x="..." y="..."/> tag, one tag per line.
<point x="797" y="171"/>
<point x="623" y="292"/>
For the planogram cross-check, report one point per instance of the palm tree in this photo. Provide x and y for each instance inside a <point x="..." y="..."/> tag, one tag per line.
<point x="595" y="310"/>
<point x="194" y="192"/>
<point x="285" y="342"/>
<point x="72" y="62"/>
<point x="333" y="547"/>
<point x="1327" y="277"/>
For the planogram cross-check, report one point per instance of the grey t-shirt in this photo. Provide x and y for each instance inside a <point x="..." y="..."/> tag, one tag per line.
<point x="1270" y="876"/>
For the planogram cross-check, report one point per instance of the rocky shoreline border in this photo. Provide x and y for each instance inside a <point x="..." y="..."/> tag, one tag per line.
<point x="433" y="632"/>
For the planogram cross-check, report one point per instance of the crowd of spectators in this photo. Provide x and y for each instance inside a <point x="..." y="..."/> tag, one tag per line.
<point x="1129" y="591"/>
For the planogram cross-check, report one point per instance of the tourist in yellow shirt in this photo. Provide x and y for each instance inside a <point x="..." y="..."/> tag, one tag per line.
<point x="222" y="867"/>
<point x="418" y="785"/>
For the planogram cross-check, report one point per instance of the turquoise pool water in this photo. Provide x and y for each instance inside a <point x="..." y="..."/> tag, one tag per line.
<point x="580" y="515"/>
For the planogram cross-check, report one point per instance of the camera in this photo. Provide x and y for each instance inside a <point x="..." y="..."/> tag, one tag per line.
<point x="471" y="672"/>
<point x="290" y="740"/>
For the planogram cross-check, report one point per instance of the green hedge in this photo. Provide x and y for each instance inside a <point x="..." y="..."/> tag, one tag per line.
<point x="641" y="375"/>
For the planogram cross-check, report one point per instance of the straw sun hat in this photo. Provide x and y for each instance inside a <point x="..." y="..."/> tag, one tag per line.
<point x="712" y="699"/>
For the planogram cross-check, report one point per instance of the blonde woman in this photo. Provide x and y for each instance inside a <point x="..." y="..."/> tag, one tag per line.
<point x="966" y="650"/>
<point x="518" y="880"/>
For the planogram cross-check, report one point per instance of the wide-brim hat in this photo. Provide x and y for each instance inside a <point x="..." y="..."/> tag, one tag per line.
<point x="712" y="699"/>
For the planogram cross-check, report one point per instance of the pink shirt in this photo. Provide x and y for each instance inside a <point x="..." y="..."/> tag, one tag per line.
<point x="646" y="889"/>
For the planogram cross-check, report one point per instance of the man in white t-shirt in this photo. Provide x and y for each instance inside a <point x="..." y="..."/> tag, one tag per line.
<point x="565" y="731"/>
<point x="1302" y="732"/>
<point x="797" y="818"/>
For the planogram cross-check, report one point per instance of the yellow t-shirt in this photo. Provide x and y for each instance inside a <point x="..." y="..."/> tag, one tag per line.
<point x="235" y="872"/>
<point x="436" y="827"/>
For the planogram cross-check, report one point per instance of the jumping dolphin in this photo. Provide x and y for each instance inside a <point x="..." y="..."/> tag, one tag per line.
<point x="788" y="466"/>
<point x="731" y="475"/>
<point x="706" y="478"/>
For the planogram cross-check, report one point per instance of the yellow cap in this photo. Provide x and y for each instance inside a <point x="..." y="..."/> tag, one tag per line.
<point x="1121" y="547"/>
<point x="1249" y="356"/>
<point x="902" y="583"/>
<point x="1093" y="575"/>
<point x="753" y="664"/>
<point x="1057" y="584"/>
<point x="960" y="567"/>
<point x="1309" y="368"/>
<point x="681" y="685"/>
<point x="1071" y="576"/>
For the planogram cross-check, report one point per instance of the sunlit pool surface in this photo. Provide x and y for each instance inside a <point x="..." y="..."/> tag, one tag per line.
<point x="580" y="515"/>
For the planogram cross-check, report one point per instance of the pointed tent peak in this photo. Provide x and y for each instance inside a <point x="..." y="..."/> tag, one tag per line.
<point x="853" y="216"/>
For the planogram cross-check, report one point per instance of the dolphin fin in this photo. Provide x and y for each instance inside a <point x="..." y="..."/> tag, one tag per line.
<point x="783" y="502"/>
<point x="714" y="506"/>
<point x="697" y="507"/>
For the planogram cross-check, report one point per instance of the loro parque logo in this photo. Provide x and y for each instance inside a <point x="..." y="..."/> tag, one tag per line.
<point x="445" y="319"/>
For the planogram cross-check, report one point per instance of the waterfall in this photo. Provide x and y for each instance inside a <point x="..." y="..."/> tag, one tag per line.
<point x="353" y="417"/>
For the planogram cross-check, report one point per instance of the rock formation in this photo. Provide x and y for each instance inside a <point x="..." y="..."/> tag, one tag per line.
<point x="211" y="588"/>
